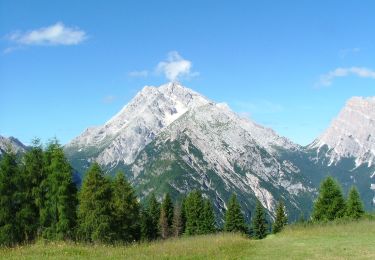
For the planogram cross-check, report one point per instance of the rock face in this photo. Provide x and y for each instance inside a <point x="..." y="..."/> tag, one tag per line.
<point x="172" y="139"/>
<point x="136" y="125"/>
<point x="346" y="150"/>
<point x="11" y="143"/>
<point x="352" y="133"/>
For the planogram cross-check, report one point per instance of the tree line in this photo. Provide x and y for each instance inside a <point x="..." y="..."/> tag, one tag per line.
<point x="38" y="199"/>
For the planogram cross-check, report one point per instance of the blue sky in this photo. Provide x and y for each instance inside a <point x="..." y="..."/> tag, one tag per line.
<point x="289" y="65"/>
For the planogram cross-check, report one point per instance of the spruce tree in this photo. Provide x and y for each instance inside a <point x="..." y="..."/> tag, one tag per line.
<point x="94" y="211"/>
<point x="209" y="222"/>
<point x="167" y="206"/>
<point x="58" y="214"/>
<point x="125" y="209"/>
<point x="259" y="222"/>
<point x="183" y="214"/>
<point x="234" y="219"/>
<point x="33" y="175"/>
<point x="354" y="204"/>
<point x="154" y="214"/>
<point x="165" y="229"/>
<point x="194" y="217"/>
<point x="10" y="203"/>
<point x="330" y="203"/>
<point x="146" y="227"/>
<point x="177" y="224"/>
<point x="281" y="219"/>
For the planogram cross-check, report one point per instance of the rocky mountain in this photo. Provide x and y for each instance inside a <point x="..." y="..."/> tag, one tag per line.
<point x="11" y="143"/>
<point x="351" y="134"/>
<point x="170" y="138"/>
<point x="346" y="149"/>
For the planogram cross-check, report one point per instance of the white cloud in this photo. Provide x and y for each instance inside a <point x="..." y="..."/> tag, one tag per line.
<point x="175" y="67"/>
<point x="140" y="73"/>
<point x="326" y="79"/>
<point x="57" y="34"/>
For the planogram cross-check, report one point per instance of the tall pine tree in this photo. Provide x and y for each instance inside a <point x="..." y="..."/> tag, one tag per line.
<point x="33" y="175"/>
<point x="281" y="219"/>
<point x="234" y="219"/>
<point x="146" y="227"/>
<point x="209" y="222"/>
<point x="330" y="203"/>
<point x="10" y="203"/>
<point x="125" y="210"/>
<point x="193" y="210"/>
<point x="154" y="214"/>
<point x="259" y="222"/>
<point x="94" y="211"/>
<point x="165" y="229"/>
<point x="167" y="206"/>
<point x="166" y="217"/>
<point x="58" y="214"/>
<point x="177" y="224"/>
<point x="354" y="204"/>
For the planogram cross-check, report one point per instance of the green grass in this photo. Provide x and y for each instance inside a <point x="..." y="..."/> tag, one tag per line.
<point x="326" y="241"/>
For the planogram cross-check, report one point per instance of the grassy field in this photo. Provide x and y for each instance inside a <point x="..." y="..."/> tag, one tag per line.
<point x="332" y="241"/>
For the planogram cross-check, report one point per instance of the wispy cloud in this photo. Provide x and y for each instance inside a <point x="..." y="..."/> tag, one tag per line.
<point x="327" y="79"/>
<point x="345" y="52"/>
<point x="175" y="67"/>
<point x="138" y="73"/>
<point x="57" y="34"/>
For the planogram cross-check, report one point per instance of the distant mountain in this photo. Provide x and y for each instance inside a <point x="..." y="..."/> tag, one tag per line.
<point x="351" y="134"/>
<point x="346" y="149"/>
<point x="170" y="138"/>
<point x="11" y="143"/>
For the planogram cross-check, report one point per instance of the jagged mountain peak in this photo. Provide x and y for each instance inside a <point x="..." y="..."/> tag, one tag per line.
<point x="153" y="109"/>
<point x="351" y="133"/>
<point x="122" y="137"/>
<point x="13" y="143"/>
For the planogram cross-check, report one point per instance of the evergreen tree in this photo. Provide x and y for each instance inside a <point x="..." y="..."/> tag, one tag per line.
<point x="209" y="222"/>
<point x="33" y="175"/>
<point x="10" y="204"/>
<point x="165" y="229"/>
<point x="281" y="218"/>
<point x="177" y="224"/>
<point x="167" y="206"/>
<point x="259" y="222"/>
<point x="354" y="205"/>
<point x="154" y="214"/>
<point x="234" y="219"/>
<point x="330" y="203"/>
<point x="194" y="217"/>
<point x="146" y="227"/>
<point x="183" y="215"/>
<point x="58" y="214"/>
<point x="125" y="210"/>
<point x="94" y="211"/>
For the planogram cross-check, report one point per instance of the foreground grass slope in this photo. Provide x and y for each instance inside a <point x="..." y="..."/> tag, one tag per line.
<point x="330" y="241"/>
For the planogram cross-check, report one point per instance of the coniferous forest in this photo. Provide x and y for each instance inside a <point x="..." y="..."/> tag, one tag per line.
<point x="39" y="200"/>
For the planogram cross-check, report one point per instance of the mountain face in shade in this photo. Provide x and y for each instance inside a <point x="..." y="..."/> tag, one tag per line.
<point x="172" y="139"/>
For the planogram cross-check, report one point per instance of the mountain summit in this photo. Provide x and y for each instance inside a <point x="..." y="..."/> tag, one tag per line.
<point x="172" y="139"/>
<point x="352" y="133"/>
<point x="121" y="138"/>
